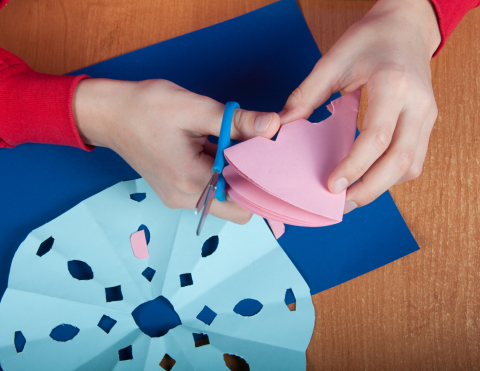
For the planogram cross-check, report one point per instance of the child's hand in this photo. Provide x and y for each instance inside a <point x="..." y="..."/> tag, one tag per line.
<point x="388" y="52"/>
<point x="161" y="130"/>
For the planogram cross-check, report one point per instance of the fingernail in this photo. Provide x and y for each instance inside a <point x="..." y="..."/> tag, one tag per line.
<point x="340" y="185"/>
<point x="349" y="206"/>
<point x="262" y="122"/>
<point x="282" y="112"/>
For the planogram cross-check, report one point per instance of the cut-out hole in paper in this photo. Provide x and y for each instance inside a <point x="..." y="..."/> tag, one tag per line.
<point x="139" y="197"/>
<point x="186" y="279"/>
<point x="148" y="273"/>
<point x="200" y="339"/>
<point x="248" y="307"/>
<point x="125" y="354"/>
<point x="156" y="317"/>
<point x="19" y="341"/>
<point x="206" y="315"/>
<point x="80" y="270"/>
<point x="45" y="246"/>
<point x="290" y="300"/>
<point x="139" y="244"/>
<point x="64" y="332"/>
<point x="113" y="293"/>
<point x="235" y="363"/>
<point x="167" y="362"/>
<point x="106" y="323"/>
<point x="209" y="246"/>
<point x="147" y="232"/>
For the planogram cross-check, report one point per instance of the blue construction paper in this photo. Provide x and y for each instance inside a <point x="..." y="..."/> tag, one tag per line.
<point x="257" y="59"/>
<point x="158" y="317"/>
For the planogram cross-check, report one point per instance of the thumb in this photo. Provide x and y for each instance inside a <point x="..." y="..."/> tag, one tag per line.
<point x="249" y="124"/>
<point x="322" y="82"/>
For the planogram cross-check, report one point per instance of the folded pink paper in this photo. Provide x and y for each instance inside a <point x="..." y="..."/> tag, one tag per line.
<point x="286" y="180"/>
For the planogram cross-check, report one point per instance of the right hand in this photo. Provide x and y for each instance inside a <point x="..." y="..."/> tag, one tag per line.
<point x="388" y="52"/>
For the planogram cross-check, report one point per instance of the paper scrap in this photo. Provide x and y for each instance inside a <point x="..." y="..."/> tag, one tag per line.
<point x="278" y="228"/>
<point x="286" y="180"/>
<point x="245" y="263"/>
<point x="139" y="244"/>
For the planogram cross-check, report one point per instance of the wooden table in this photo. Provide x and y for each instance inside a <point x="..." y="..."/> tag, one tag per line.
<point x="421" y="312"/>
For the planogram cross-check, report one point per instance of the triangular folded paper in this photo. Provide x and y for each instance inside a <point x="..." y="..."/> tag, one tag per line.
<point x="286" y="180"/>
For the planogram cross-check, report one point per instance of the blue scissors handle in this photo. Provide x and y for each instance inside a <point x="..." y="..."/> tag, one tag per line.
<point x="223" y="143"/>
<point x="217" y="182"/>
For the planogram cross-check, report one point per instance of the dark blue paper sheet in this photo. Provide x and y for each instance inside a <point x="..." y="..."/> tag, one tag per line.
<point x="257" y="59"/>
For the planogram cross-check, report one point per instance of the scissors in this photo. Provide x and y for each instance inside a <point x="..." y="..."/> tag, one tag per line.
<point x="216" y="186"/>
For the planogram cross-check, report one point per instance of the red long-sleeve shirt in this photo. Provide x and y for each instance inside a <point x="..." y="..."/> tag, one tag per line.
<point x="36" y="107"/>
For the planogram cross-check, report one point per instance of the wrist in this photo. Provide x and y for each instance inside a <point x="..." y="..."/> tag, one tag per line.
<point x="419" y="16"/>
<point x="429" y="25"/>
<point x="96" y="107"/>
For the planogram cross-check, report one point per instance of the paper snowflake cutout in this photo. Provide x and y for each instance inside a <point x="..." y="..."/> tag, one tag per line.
<point x="79" y="299"/>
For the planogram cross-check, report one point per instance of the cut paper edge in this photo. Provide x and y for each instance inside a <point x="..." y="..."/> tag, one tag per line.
<point x="278" y="228"/>
<point x="246" y="204"/>
<point x="247" y="195"/>
<point x="139" y="244"/>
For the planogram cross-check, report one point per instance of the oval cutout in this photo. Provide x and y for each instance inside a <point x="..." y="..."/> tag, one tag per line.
<point x="64" y="332"/>
<point x="80" y="270"/>
<point x="209" y="246"/>
<point x="45" y="246"/>
<point x="19" y="341"/>
<point x="235" y="363"/>
<point x="248" y="307"/>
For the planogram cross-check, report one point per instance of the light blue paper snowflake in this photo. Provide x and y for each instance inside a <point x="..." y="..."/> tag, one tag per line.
<point x="75" y="282"/>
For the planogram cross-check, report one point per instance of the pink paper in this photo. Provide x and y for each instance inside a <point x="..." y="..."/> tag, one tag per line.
<point x="286" y="180"/>
<point x="277" y="228"/>
<point x="262" y="203"/>
<point x="139" y="244"/>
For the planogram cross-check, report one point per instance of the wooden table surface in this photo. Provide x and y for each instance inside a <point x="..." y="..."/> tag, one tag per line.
<point x="421" y="312"/>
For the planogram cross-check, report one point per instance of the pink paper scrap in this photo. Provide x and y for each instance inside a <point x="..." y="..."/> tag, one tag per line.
<point x="139" y="244"/>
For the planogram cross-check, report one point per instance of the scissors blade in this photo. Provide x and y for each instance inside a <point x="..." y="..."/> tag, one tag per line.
<point x="201" y="201"/>
<point x="212" y="186"/>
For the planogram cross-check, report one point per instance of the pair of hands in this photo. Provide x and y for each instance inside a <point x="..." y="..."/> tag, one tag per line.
<point x="388" y="52"/>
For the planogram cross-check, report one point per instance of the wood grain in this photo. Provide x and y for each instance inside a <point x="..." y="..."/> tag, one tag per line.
<point x="418" y="313"/>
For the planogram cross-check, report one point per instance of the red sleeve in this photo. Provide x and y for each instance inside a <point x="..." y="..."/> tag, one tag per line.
<point x="35" y="107"/>
<point x="450" y="13"/>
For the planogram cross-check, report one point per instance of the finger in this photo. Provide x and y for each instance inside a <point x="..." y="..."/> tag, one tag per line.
<point x="230" y="211"/>
<point x="245" y="124"/>
<point x="392" y="166"/>
<point x="249" y="124"/>
<point x="324" y="80"/>
<point x="384" y="108"/>
<point x="417" y="167"/>
<point x="227" y="210"/>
